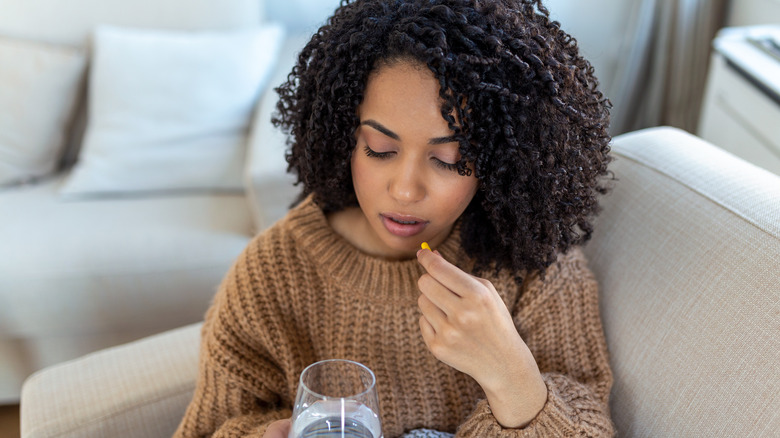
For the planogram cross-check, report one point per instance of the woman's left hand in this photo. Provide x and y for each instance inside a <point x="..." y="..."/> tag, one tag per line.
<point x="278" y="429"/>
<point x="466" y="325"/>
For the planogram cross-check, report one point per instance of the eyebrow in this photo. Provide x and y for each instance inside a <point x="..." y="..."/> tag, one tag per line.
<point x="381" y="128"/>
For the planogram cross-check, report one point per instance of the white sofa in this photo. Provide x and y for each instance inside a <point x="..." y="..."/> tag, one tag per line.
<point x="686" y="252"/>
<point x="78" y="275"/>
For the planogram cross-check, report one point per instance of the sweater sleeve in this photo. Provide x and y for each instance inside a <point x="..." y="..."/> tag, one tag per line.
<point x="559" y="320"/>
<point x="240" y="385"/>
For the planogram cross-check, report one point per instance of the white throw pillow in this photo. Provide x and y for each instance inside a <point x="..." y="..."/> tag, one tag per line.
<point x="170" y="110"/>
<point x="39" y="89"/>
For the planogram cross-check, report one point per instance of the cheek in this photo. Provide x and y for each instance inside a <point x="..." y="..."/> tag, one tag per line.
<point x="457" y="195"/>
<point x="363" y="178"/>
<point x="356" y="171"/>
<point x="468" y="190"/>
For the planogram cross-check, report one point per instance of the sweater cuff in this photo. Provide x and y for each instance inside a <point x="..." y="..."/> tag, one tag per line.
<point x="570" y="409"/>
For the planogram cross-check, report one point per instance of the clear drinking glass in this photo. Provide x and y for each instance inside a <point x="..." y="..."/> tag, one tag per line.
<point x="336" y="399"/>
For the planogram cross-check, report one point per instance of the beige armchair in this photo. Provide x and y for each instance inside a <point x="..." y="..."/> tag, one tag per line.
<point x="687" y="252"/>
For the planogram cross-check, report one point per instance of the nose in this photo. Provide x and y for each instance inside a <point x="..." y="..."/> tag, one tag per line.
<point x="406" y="184"/>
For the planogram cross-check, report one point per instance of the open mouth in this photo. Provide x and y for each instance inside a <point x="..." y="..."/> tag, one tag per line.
<point x="398" y="221"/>
<point x="403" y="226"/>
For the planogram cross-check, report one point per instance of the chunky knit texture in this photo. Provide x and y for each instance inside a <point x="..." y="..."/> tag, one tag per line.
<point x="300" y="293"/>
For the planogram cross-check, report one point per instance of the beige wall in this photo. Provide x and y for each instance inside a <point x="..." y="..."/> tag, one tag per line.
<point x="599" y="27"/>
<point x="747" y="12"/>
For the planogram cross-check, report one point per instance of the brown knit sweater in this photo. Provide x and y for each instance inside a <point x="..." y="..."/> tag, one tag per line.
<point x="300" y="293"/>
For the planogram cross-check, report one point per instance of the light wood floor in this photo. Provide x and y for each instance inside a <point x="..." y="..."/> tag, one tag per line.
<point x="9" y="421"/>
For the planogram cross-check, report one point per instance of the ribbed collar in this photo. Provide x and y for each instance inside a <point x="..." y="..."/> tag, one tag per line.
<point x="354" y="269"/>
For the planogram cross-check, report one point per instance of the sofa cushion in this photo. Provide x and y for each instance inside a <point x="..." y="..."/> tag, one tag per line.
<point x="170" y="110"/>
<point x="40" y="86"/>
<point x="112" y="265"/>
<point x="686" y="252"/>
<point x="270" y="188"/>
<point x="72" y="21"/>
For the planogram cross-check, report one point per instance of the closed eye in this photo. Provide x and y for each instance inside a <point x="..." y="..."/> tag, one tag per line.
<point x="374" y="154"/>
<point x="453" y="167"/>
<point x="447" y="166"/>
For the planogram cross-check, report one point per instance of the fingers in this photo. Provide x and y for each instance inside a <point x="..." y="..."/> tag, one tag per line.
<point x="278" y="429"/>
<point x="427" y="330"/>
<point x="438" y="295"/>
<point x="432" y="312"/>
<point x="449" y="275"/>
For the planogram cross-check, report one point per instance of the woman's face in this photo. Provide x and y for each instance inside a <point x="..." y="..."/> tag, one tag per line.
<point x="403" y="166"/>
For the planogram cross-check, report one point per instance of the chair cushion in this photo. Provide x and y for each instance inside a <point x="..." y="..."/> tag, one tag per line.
<point x="686" y="252"/>
<point x="92" y="266"/>
<point x="140" y="389"/>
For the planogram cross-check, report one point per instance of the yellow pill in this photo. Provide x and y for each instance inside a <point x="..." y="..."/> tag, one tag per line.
<point x="425" y="246"/>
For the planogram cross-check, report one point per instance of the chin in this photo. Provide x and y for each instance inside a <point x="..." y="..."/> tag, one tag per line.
<point x="396" y="247"/>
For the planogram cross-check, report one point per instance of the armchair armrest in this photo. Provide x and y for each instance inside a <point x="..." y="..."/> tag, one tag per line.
<point x="270" y="189"/>
<point x="686" y="251"/>
<point x="140" y="389"/>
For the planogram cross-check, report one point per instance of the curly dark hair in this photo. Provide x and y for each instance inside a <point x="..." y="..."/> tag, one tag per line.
<point x="532" y="121"/>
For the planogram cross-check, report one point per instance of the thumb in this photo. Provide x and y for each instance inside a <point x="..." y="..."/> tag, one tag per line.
<point x="278" y="429"/>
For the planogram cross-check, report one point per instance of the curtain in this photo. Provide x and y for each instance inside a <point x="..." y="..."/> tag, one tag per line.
<point x="664" y="61"/>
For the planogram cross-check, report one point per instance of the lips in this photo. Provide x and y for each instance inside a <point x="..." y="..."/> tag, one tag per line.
<point x="403" y="225"/>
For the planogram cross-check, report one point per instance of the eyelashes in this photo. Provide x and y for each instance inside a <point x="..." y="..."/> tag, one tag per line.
<point x="374" y="154"/>
<point x="447" y="166"/>
<point x="384" y="155"/>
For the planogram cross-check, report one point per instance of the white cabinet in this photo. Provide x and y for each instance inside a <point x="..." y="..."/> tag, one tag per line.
<point x="741" y="107"/>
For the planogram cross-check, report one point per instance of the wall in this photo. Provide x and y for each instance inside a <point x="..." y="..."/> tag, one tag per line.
<point x="599" y="27"/>
<point x="300" y="15"/>
<point x="747" y="12"/>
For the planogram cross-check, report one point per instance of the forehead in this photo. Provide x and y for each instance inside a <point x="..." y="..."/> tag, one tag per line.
<point x="405" y="94"/>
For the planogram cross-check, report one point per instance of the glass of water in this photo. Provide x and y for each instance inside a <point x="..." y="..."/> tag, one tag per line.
<point x="336" y="399"/>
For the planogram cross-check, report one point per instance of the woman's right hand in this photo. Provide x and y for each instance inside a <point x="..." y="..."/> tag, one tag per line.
<point x="278" y="429"/>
